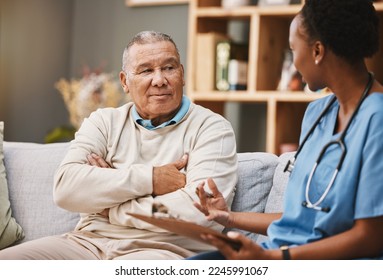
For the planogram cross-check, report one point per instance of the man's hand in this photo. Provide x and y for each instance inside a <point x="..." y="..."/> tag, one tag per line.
<point x="96" y="160"/>
<point x="168" y="178"/>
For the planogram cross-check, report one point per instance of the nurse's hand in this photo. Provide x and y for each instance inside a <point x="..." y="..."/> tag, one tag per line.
<point x="248" y="251"/>
<point x="212" y="204"/>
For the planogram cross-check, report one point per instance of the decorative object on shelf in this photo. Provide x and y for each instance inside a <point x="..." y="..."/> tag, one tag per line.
<point x="291" y="79"/>
<point x="228" y="50"/>
<point x="133" y="3"/>
<point x="94" y="90"/>
<point x="227" y="4"/>
<point x="287" y="147"/>
<point x="277" y="2"/>
<point x="222" y="65"/>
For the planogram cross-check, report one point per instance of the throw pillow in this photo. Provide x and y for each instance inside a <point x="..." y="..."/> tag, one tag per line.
<point x="31" y="188"/>
<point x="255" y="179"/>
<point x="10" y="230"/>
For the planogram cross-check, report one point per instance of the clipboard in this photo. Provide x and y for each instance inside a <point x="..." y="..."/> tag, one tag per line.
<point x="185" y="228"/>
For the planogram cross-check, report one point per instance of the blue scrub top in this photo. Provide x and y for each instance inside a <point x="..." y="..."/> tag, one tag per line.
<point x="358" y="188"/>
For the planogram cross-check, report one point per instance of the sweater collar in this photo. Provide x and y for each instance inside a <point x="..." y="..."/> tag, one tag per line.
<point x="185" y="104"/>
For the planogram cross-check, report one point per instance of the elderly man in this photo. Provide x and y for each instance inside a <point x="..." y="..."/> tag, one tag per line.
<point x="156" y="149"/>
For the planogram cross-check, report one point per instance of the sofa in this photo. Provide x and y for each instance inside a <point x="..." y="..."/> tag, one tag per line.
<point x="29" y="169"/>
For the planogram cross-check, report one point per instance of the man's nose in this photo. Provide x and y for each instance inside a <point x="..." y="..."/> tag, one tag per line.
<point x="159" y="79"/>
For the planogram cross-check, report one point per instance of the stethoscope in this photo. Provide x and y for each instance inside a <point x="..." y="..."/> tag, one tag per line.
<point x="338" y="142"/>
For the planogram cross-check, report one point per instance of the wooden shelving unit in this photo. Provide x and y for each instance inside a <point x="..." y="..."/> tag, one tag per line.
<point x="267" y="38"/>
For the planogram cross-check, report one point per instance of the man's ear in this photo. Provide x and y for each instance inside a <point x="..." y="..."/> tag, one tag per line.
<point x="123" y="82"/>
<point x="183" y="74"/>
<point x="318" y="52"/>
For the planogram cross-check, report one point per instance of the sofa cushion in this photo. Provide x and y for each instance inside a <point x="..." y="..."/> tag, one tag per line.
<point x="255" y="178"/>
<point x="31" y="169"/>
<point x="10" y="230"/>
<point x="275" y="200"/>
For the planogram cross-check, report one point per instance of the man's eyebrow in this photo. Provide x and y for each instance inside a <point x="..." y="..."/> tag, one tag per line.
<point x="143" y="65"/>
<point x="171" y="60"/>
<point x="165" y="61"/>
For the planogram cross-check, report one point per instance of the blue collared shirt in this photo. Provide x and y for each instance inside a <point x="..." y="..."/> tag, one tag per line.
<point x="185" y="104"/>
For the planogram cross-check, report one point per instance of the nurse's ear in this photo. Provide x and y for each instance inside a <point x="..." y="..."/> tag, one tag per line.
<point x="123" y="81"/>
<point x="318" y="52"/>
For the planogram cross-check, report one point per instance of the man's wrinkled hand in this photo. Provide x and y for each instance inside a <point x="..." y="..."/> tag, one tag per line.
<point x="168" y="178"/>
<point x="105" y="213"/>
<point x="96" y="160"/>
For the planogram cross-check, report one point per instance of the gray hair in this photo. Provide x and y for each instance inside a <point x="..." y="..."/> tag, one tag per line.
<point x="146" y="37"/>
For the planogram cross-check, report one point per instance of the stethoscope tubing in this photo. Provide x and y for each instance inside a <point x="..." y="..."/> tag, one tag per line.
<point x="319" y="201"/>
<point x="340" y="141"/>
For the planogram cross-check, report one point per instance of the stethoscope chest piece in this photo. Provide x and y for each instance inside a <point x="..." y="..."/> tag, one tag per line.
<point x="289" y="165"/>
<point x="311" y="206"/>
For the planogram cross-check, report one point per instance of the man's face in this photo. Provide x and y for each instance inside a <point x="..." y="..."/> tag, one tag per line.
<point x="154" y="78"/>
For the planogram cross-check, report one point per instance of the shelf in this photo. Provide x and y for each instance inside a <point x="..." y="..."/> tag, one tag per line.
<point x="248" y="11"/>
<point x="260" y="96"/>
<point x="379" y="6"/>
<point x="289" y="10"/>
<point x="267" y="30"/>
<point x="223" y="13"/>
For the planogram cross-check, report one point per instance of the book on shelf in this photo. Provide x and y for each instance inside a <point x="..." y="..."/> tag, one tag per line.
<point x="205" y="60"/>
<point x="237" y="75"/>
<point x="237" y="53"/>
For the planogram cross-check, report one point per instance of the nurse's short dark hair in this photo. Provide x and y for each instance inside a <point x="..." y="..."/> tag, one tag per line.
<point x="350" y="28"/>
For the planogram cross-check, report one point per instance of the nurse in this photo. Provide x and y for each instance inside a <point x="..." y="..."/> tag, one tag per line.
<point x="331" y="210"/>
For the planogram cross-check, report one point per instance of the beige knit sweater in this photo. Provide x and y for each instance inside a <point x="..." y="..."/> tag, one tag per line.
<point x="133" y="150"/>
